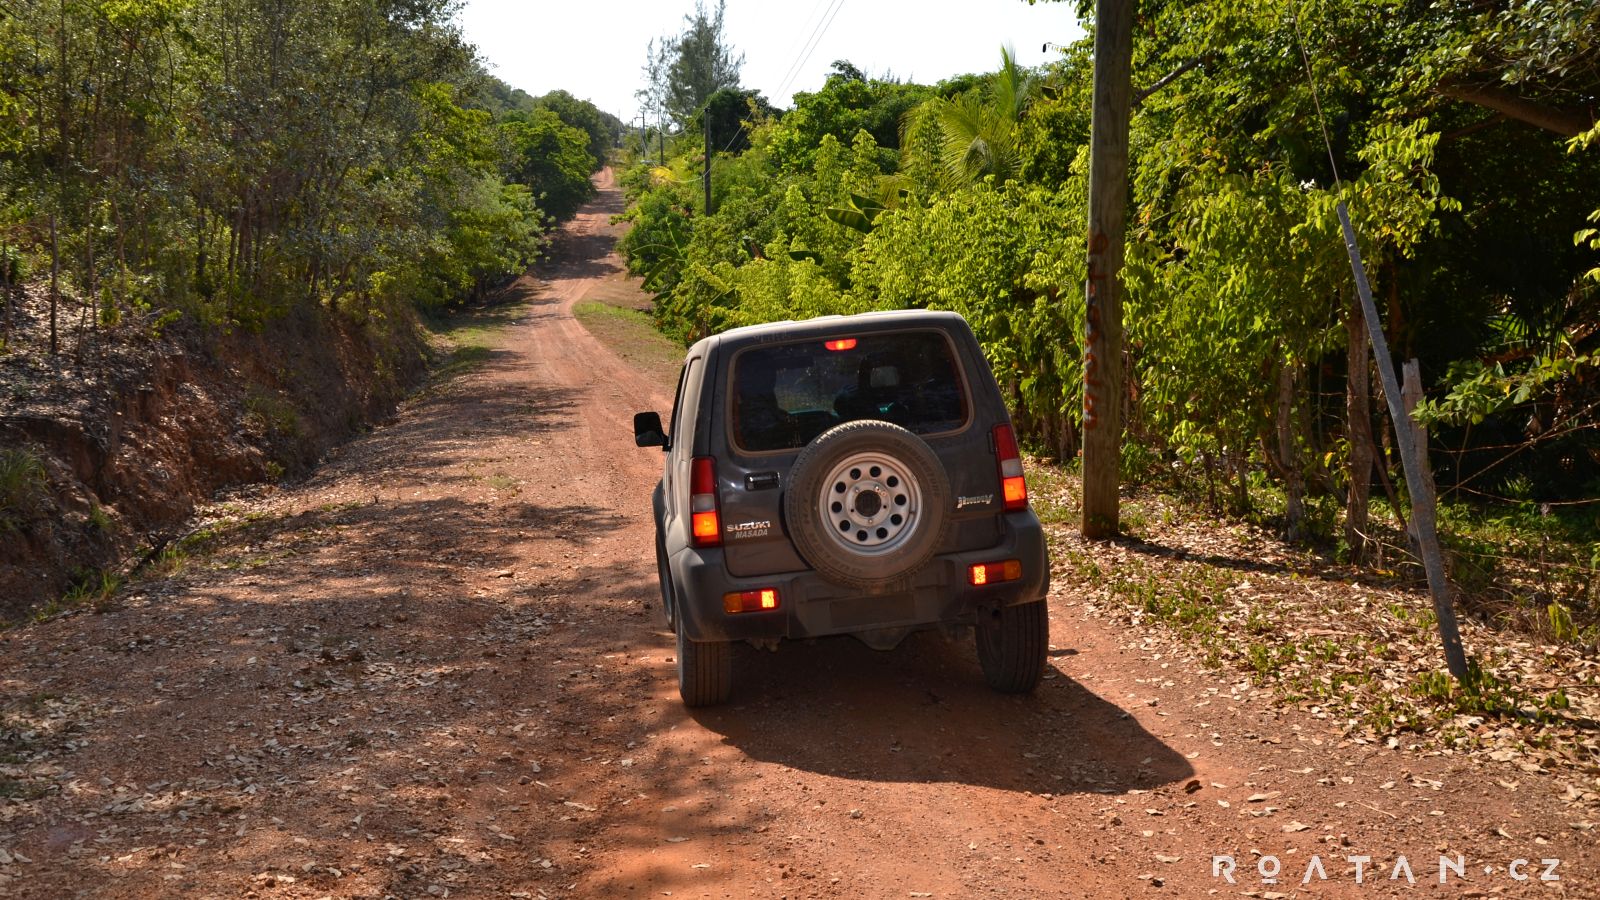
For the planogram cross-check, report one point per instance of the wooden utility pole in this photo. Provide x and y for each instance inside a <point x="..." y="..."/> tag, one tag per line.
<point x="1108" y="199"/>
<point x="1413" y="455"/>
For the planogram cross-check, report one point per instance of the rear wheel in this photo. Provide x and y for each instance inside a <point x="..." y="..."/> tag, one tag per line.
<point x="1013" y="642"/>
<point x="705" y="670"/>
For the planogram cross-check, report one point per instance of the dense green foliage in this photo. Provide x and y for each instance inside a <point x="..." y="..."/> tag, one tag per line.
<point x="730" y="111"/>
<point x="551" y="157"/>
<point x="849" y="102"/>
<point x="232" y="159"/>
<point x="602" y="128"/>
<point x="1451" y="128"/>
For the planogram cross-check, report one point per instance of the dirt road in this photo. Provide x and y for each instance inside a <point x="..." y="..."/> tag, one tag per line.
<point x="438" y="669"/>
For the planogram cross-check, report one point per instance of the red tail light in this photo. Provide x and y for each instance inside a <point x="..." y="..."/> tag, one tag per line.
<point x="763" y="600"/>
<point x="1013" y="487"/>
<point x="841" y="344"/>
<point x="704" y="521"/>
<point x="995" y="572"/>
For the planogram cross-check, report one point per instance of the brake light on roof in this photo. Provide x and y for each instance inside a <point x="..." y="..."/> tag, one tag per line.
<point x="981" y="574"/>
<point x="840" y="344"/>
<point x="763" y="600"/>
<point x="1013" y="487"/>
<point x="705" y="524"/>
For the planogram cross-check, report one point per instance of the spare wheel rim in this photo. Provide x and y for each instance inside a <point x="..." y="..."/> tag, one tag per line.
<point x="870" y="504"/>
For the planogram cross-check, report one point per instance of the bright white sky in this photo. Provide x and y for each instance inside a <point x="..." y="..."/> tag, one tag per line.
<point x="596" y="49"/>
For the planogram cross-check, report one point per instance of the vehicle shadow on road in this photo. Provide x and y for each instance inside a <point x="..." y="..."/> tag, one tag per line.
<point x="921" y="713"/>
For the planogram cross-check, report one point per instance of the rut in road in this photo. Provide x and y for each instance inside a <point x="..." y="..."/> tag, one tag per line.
<point x="438" y="668"/>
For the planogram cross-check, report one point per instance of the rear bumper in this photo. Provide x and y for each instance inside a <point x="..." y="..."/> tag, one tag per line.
<point x="809" y="606"/>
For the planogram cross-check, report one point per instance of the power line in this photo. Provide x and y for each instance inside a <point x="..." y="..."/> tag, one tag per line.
<point x="814" y="45"/>
<point x="800" y="65"/>
<point x="796" y="66"/>
<point x="823" y="5"/>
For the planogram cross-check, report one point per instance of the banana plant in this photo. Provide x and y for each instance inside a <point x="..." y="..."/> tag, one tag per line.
<point x="860" y="215"/>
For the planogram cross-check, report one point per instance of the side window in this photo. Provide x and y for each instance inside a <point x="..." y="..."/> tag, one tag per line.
<point x="684" y="379"/>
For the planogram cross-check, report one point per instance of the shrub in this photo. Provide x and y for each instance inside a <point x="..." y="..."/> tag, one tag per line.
<point x="22" y="484"/>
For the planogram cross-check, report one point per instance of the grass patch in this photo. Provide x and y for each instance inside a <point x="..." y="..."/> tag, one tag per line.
<point x="1527" y="569"/>
<point x="94" y="588"/>
<point x="100" y="520"/>
<point x="502" y="483"/>
<point x="1520" y="567"/>
<point x="1354" y="646"/>
<point x="621" y="292"/>
<point x="343" y="506"/>
<point x="1329" y="671"/>
<point x="1056" y="497"/>
<point x="1189" y="600"/>
<point x="273" y="414"/>
<point x="467" y="339"/>
<point x="462" y="360"/>
<point x="1054" y="493"/>
<point x="177" y="555"/>
<point x="22" y="485"/>
<point x="632" y="335"/>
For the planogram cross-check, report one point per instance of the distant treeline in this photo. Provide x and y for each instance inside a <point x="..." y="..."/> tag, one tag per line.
<point x="234" y="159"/>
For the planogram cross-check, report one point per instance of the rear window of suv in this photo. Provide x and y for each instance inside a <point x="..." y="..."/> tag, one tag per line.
<point x="785" y="395"/>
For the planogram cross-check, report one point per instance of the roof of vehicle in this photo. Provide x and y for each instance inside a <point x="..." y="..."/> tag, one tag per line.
<point x="823" y="326"/>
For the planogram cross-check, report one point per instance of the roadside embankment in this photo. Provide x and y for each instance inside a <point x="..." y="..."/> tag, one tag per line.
<point x="109" y="444"/>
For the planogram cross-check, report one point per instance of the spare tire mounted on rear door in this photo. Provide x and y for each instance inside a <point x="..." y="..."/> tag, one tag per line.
<point x="868" y="504"/>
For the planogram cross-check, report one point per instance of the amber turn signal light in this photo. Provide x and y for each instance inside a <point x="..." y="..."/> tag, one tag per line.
<point x="981" y="574"/>
<point x="763" y="600"/>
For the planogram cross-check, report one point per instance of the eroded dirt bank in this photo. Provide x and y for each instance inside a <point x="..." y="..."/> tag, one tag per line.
<point x="135" y="432"/>
<point x="437" y="669"/>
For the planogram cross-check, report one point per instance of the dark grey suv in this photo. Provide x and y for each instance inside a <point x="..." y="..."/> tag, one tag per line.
<point x="844" y="475"/>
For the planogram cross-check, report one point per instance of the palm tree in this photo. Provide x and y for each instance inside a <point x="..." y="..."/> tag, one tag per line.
<point x="977" y="131"/>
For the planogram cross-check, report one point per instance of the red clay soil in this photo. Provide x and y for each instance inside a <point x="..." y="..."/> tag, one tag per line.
<point x="142" y="429"/>
<point x="438" y="668"/>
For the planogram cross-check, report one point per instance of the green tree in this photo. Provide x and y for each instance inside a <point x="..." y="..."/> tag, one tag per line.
<point x="733" y="112"/>
<point x="236" y="159"/>
<point x="684" y="70"/>
<point x="979" y="129"/>
<point x="1247" y="356"/>
<point x="550" y="157"/>
<point x="603" y="129"/>
<point x="847" y="103"/>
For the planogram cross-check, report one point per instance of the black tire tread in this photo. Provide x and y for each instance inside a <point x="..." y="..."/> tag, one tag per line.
<point x="705" y="671"/>
<point x="1013" y="644"/>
